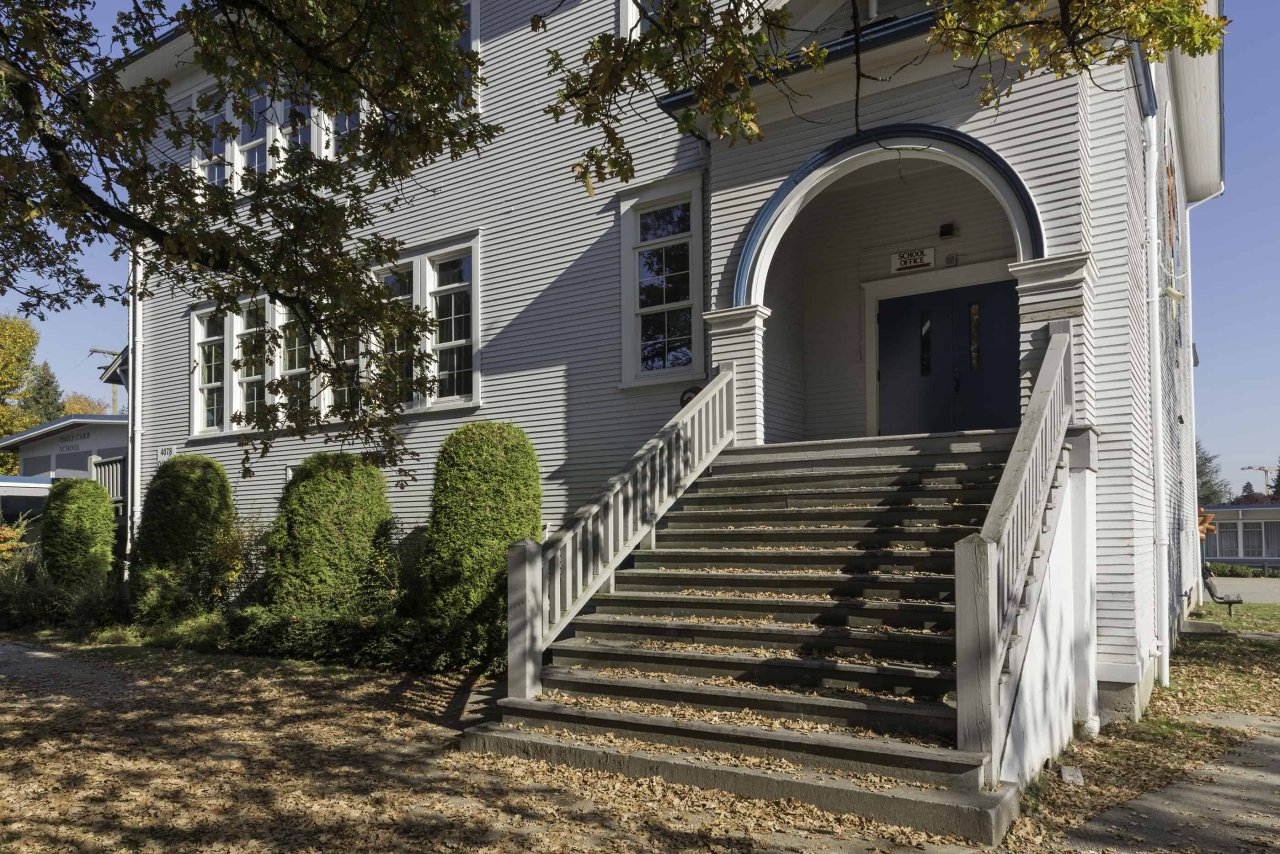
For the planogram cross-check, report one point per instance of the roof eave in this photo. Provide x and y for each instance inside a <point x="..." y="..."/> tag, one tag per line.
<point x="841" y="48"/>
<point x="1196" y="85"/>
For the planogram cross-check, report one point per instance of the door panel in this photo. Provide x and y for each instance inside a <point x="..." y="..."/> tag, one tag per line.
<point x="949" y="360"/>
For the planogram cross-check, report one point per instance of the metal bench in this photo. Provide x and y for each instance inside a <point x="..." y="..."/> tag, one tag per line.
<point x="1228" y="599"/>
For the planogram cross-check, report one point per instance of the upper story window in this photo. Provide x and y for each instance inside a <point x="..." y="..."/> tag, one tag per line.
<point x="253" y="136"/>
<point x="662" y="278"/>
<point x="632" y="20"/>
<point x="252" y="374"/>
<point x="261" y="139"/>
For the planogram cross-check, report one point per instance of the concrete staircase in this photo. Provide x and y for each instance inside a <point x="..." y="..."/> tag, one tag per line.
<point x="789" y="634"/>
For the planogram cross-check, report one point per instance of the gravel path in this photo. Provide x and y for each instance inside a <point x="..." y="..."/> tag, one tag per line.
<point x="42" y="670"/>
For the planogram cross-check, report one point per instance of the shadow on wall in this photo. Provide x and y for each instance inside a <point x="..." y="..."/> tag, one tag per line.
<point x="555" y="362"/>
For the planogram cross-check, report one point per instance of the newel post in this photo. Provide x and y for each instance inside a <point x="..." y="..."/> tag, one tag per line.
<point x="525" y="608"/>
<point x="977" y="639"/>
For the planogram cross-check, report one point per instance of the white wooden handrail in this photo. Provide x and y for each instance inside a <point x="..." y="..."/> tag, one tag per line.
<point x="993" y="567"/>
<point x="549" y="583"/>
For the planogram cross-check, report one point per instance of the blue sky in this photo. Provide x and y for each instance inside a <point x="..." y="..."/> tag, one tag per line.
<point x="1233" y="241"/>
<point x="1237" y="295"/>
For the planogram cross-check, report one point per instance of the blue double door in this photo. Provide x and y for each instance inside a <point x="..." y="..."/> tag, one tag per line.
<point x="949" y="360"/>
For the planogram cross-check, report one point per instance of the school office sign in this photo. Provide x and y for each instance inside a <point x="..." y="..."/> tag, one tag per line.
<point x="911" y="260"/>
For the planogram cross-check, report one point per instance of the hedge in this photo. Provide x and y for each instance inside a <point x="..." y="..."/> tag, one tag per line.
<point x="487" y="495"/>
<point x="185" y="555"/>
<point x="78" y="533"/>
<point x="327" y="547"/>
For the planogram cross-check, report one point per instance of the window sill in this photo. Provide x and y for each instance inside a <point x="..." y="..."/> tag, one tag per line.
<point x="678" y="375"/>
<point x="453" y="404"/>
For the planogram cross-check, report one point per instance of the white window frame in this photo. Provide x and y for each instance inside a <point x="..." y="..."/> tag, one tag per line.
<point x="321" y="141"/>
<point x="423" y="265"/>
<point x="242" y="330"/>
<point x="434" y="290"/>
<point x="687" y="188"/>
<point x="198" y="385"/>
<point x="629" y="19"/>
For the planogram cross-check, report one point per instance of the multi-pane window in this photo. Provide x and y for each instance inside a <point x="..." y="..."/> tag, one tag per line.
<point x="663" y="281"/>
<point x="1228" y="539"/>
<point x="346" y="356"/>
<point x="252" y="373"/>
<point x="295" y="363"/>
<point x="398" y="343"/>
<point x="253" y="135"/>
<point x="211" y="370"/>
<point x="1271" y="536"/>
<point x="452" y="344"/>
<point x="213" y="158"/>
<point x="296" y="123"/>
<point x="1251" y="539"/>
<point x="343" y="125"/>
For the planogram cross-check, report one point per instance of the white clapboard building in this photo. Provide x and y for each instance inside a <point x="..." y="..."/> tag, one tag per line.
<point x="937" y="474"/>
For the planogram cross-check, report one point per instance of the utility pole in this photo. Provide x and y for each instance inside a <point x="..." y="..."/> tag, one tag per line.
<point x="115" y="389"/>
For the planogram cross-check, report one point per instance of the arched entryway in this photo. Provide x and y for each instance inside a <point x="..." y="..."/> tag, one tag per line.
<point x="882" y="267"/>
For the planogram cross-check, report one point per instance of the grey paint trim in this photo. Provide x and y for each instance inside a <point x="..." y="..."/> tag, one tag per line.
<point x="763" y="220"/>
<point x="841" y="48"/>
<point x="58" y="424"/>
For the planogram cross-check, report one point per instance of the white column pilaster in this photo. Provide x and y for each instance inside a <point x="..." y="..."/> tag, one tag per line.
<point x="737" y="336"/>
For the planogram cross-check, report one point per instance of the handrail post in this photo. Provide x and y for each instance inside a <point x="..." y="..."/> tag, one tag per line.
<point x="977" y="639"/>
<point x="525" y="603"/>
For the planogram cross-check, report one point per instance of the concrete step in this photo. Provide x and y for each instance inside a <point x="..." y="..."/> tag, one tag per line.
<point x="853" y="612"/>
<point x="872" y="585"/>
<point x="981" y="816"/>
<point x="829" y="536"/>
<point x="949" y="474"/>
<point x="852" y="560"/>
<point x="855" y="517"/>
<point x="915" y="763"/>
<point x="929" y="681"/>
<point x="807" y="460"/>
<point x="838" y="640"/>
<point x="917" y="496"/>
<point x="936" y="720"/>
<point x="961" y="442"/>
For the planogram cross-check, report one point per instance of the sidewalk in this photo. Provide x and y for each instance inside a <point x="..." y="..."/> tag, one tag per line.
<point x="1229" y="805"/>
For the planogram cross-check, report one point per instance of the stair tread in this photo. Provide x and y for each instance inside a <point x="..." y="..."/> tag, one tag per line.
<point x="887" y="509"/>
<point x="870" y="441"/>
<point x="857" y="490"/>
<point x="763" y="601"/>
<point x="812" y="663"/>
<point x="788" y="575"/>
<point x="917" y="708"/>
<point x="809" y="529"/>
<point x="784" y="738"/>
<point x="781" y="630"/>
<point x="816" y="553"/>
<point x="938" y="468"/>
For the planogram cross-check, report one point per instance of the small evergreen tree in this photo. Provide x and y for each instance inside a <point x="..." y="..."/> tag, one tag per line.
<point x="78" y="533"/>
<point x="187" y="519"/>
<point x="329" y="538"/>
<point x="44" y="395"/>
<point x="1211" y="486"/>
<point x="487" y="495"/>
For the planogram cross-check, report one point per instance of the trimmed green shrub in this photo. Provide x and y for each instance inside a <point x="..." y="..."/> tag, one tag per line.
<point x="186" y="547"/>
<point x="1233" y="570"/>
<point x="78" y="533"/>
<point x="487" y="495"/>
<point x="328" y="547"/>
